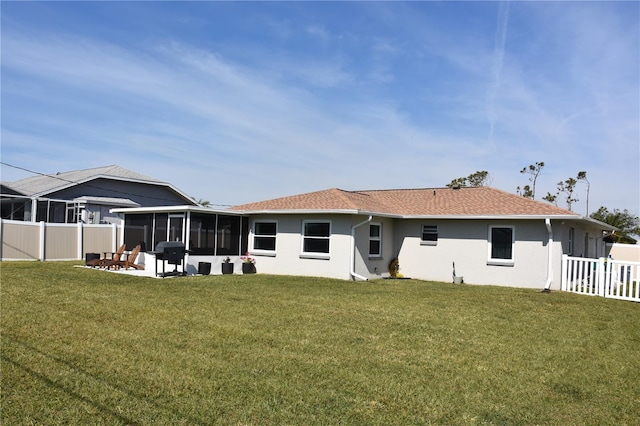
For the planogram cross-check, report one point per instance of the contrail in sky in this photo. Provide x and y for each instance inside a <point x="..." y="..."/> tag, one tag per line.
<point x="496" y="69"/>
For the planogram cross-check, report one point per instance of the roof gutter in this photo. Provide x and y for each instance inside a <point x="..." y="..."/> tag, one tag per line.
<point x="352" y="270"/>
<point x="547" y="286"/>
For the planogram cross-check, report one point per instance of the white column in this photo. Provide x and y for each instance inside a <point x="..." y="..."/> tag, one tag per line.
<point x="114" y="234"/>
<point x="80" y="239"/>
<point x="43" y="227"/>
<point x="34" y="209"/>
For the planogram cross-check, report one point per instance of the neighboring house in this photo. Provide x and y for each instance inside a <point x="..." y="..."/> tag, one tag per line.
<point x="624" y="252"/>
<point x="85" y="195"/>
<point x="483" y="234"/>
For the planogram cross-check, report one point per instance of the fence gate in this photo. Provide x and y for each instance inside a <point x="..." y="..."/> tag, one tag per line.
<point x="601" y="277"/>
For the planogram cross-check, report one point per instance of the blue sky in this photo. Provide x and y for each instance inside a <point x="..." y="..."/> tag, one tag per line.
<point x="236" y="102"/>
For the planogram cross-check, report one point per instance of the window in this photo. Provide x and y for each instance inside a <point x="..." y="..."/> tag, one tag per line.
<point x="429" y="235"/>
<point x="228" y="230"/>
<point x="202" y="234"/>
<point x="572" y="236"/>
<point x="176" y="226"/>
<point x="138" y="229"/>
<point x="51" y="211"/>
<point x="375" y="240"/>
<point x="160" y="228"/>
<point x="315" y="237"/>
<point x="501" y="242"/>
<point x="264" y="236"/>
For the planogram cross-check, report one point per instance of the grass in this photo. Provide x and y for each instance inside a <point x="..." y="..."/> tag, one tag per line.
<point x="82" y="346"/>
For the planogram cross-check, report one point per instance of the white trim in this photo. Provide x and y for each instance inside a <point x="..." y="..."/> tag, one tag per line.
<point x="497" y="261"/>
<point x="319" y="255"/>
<point x="416" y="216"/>
<point x="79" y="240"/>
<point x="170" y="209"/>
<point x="181" y="216"/>
<point x="252" y="235"/>
<point x="114" y="233"/>
<point x="378" y="238"/>
<point x="43" y="226"/>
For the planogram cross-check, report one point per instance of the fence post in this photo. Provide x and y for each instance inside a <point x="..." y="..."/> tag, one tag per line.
<point x="114" y="237"/>
<point x="602" y="284"/>
<point x="563" y="277"/>
<point x="80" y="239"/>
<point x="43" y="227"/>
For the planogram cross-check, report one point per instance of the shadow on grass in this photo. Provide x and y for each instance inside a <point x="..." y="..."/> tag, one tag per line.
<point x="74" y="394"/>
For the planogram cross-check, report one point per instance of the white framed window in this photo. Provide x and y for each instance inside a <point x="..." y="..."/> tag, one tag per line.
<point x="501" y="245"/>
<point x="316" y="238"/>
<point x="429" y="235"/>
<point x="375" y="240"/>
<point x="264" y="236"/>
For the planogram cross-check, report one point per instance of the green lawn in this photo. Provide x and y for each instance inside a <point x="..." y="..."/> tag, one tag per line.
<point x="84" y="347"/>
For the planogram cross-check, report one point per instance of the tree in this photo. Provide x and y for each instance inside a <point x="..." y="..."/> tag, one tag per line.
<point x="552" y="198"/>
<point x="567" y="187"/>
<point x="627" y="223"/>
<point x="525" y="191"/>
<point x="474" y="180"/>
<point x="457" y="182"/>
<point x="582" y="177"/>
<point x="533" y="170"/>
<point x="204" y="203"/>
<point x="479" y="178"/>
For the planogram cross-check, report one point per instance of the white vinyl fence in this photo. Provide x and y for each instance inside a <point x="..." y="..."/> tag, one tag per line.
<point x="54" y="241"/>
<point x="610" y="278"/>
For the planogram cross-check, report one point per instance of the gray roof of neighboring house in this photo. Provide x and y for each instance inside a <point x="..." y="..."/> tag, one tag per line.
<point x="45" y="184"/>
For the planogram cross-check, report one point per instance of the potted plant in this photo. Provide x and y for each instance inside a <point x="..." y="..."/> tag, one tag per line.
<point x="227" y="266"/>
<point x="394" y="268"/>
<point x="248" y="264"/>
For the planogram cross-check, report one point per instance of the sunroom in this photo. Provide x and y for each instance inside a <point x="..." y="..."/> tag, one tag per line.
<point x="209" y="236"/>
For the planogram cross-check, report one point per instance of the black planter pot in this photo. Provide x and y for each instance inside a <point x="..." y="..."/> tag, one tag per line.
<point x="248" y="268"/>
<point x="227" y="268"/>
<point x="204" y="268"/>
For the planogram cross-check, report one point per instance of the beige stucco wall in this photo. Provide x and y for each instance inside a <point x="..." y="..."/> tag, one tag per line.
<point x="288" y="259"/>
<point x="374" y="267"/>
<point x="465" y="243"/>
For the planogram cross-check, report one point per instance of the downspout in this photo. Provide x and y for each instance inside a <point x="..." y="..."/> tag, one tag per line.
<point x="547" y="287"/>
<point x="352" y="270"/>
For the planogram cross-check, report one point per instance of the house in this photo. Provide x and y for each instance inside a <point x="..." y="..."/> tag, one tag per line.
<point x="484" y="235"/>
<point x="85" y="195"/>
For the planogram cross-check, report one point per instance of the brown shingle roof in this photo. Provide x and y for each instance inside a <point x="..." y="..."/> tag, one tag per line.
<point x="483" y="201"/>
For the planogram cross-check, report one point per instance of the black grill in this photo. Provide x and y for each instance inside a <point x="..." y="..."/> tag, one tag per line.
<point x="171" y="252"/>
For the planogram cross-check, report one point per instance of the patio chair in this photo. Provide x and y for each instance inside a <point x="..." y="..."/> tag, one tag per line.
<point x="108" y="257"/>
<point x="128" y="262"/>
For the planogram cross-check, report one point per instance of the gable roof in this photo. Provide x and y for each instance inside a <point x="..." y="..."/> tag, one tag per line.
<point x="425" y="202"/>
<point x="42" y="185"/>
<point x="45" y="184"/>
